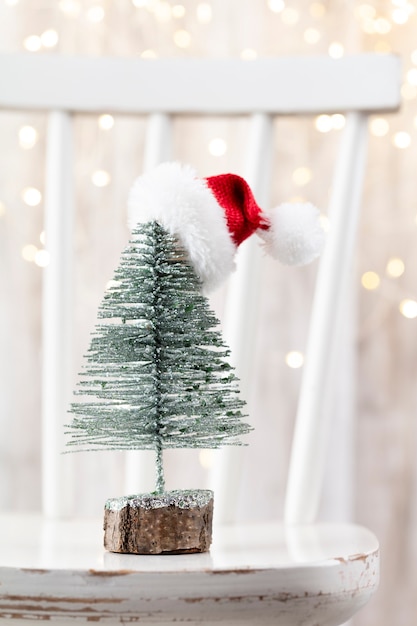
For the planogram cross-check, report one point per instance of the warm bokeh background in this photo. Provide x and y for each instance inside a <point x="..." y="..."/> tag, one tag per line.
<point x="377" y="377"/>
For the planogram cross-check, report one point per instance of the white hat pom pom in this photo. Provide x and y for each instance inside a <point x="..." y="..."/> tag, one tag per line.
<point x="295" y="235"/>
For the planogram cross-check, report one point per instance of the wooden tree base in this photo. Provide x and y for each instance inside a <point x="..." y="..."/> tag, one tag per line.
<point x="174" y="522"/>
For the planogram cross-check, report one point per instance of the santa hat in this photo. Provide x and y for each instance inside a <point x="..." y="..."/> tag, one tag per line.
<point x="211" y="217"/>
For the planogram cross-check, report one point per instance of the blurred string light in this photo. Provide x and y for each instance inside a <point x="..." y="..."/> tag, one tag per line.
<point x="49" y="38"/>
<point x="32" y="43"/>
<point x="106" y="121"/>
<point x="95" y="13"/>
<point x="336" y="50"/>
<point x="368" y="26"/>
<point x="338" y="121"/>
<point x="294" y="359"/>
<point x="217" y="147"/>
<point x="100" y="178"/>
<point x="31" y="196"/>
<point x="206" y="458"/>
<point x="276" y="5"/>
<point x="42" y="258"/>
<point x="312" y="35"/>
<point x="2" y="209"/>
<point x="71" y="8"/>
<point x="408" y="308"/>
<point x="370" y="280"/>
<point x="178" y="11"/>
<point x="204" y="12"/>
<point x="148" y="54"/>
<point x="411" y="76"/>
<point x="248" y="54"/>
<point x="365" y="12"/>
<point x="325" y="123"/>
<point x="402" y="11"/>
<point x="28" y="252"/>
<point x="162" y="11"/>
<point x="382" y="26"/>
<point x="317" y="9"/>
<point x="383" y="47"/>
<point x="373" y="24"/>
<point x="401" y="140"/>
<point x="182" y="38"/>
<point x="32" y="254"/>
<point x="395" y="267"/>
<point x="28" y="136"/>
<point x="11" y="3"/>
<point x="290" y="16"/>
<point x="302" y="176"/>
<point x="400" y="16"/>
<point x="379" y="127"/>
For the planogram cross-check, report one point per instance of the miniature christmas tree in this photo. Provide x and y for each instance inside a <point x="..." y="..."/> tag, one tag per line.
<point x="156" y="375"/>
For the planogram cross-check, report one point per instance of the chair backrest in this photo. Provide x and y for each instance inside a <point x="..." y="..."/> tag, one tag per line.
<point x="63" y="86"/>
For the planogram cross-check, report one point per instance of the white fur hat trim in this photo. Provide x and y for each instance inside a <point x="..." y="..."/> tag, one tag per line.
<point x="173" y="195"/>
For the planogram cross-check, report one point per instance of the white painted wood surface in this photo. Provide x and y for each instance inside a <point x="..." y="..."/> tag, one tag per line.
<point x="285" y="85"/>
<point x="266" y="574"/>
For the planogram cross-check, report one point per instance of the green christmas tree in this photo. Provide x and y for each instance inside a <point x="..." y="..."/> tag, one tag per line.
<point x="156" y="375"/>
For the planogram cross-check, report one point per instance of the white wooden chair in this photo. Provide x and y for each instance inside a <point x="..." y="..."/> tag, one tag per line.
<point x="298" y="572"/>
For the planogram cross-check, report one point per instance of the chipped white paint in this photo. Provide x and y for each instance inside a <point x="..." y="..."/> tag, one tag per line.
<point x="269" y="574"/>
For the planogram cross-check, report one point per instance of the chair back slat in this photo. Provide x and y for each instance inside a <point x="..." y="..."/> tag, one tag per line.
<point x="57" y="313"/>
<point x="242" y="303"/>
<point x="241" y="311"/>
<point x="158" y="140"/>
<point x="313" y="422"/>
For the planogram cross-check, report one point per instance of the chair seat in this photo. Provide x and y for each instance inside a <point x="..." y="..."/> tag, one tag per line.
<point x="254" y="574"/>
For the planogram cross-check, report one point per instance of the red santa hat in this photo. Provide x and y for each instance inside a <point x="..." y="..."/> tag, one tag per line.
<point x="211" y="217"/>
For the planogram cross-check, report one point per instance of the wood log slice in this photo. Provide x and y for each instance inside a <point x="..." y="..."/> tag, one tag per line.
<point x="174" y="522"/>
